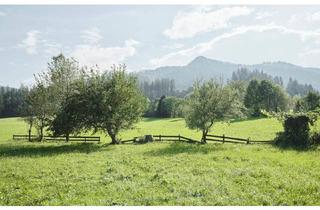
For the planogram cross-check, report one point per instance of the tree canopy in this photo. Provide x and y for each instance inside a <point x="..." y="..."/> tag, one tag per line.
<point x="210" y="102"/>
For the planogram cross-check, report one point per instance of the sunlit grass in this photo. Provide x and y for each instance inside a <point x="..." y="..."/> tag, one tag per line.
<point x="158" y="173"/>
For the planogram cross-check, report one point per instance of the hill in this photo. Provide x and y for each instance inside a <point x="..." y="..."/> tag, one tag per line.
<point x="205" y="68"/>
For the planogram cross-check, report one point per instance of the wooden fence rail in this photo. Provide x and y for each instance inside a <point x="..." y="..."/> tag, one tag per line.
<point x="24" y="137"/>
<point x="174" y="138"/>
<point x="59" y="138"/>
<point x="228" y="139"/>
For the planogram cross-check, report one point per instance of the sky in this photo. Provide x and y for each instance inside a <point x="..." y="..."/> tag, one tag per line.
<point x="147" y="37"/>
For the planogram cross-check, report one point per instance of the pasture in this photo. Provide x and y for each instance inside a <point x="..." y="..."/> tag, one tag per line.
<point x="158" y="173"/>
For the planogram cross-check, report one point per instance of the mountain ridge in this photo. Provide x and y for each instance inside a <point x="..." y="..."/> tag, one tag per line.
<point x="206" y="68"/>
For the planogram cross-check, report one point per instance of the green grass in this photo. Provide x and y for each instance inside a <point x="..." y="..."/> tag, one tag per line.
<point x="255" y="129"/>
<point x="158" y="173"/>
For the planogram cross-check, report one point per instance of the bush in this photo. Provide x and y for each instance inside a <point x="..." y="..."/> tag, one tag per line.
<point x="315" y="138"/>
<point x="296" y="131"/>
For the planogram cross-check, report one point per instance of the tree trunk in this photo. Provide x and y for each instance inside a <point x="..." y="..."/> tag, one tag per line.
<point x="204" y="136"/>
<point x="41" y="133"/>
<point x="67" y="137"/>
<point x="114" y="139"/>
<point x="29" y="137"/>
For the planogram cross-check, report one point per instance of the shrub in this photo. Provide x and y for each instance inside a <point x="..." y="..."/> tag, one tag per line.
<point x="315" y="138"/>
<point x="296" y="131"/>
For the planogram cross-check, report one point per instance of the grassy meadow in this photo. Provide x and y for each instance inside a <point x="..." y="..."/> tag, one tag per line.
<point x="158" y="173"/>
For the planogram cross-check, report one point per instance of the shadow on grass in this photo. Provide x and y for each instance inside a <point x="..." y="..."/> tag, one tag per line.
<point x="299" y="149"/>
<point x="9" y="150"/>
<point x="176" y="120"/>
<point x="151" y="119"/>
<point x="247" y="119"/>
<point x="179" y="147"/>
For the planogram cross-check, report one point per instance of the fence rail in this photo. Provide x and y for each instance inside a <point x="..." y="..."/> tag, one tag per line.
<point x="23" y="137"/>
<point x="59" y="138"/>
<point x="172" y="138"/>
<point x="228" y="139"/>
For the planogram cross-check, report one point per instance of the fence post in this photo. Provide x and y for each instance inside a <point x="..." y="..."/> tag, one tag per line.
<point x="29" y="138"/>
<point x="248" y="140"/>
<point x="223" y="138"/>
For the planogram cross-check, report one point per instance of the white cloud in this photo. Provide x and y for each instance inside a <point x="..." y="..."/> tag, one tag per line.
<point x="131" y="43"/>
<point x="314" y="17"/>
<point x="2" y="14"/>
<point x="173" y="46"/>
<point x="201" y="20"/>
<point x="34" y="43"/>
<point x="186" y="55"/>
<point x="304" y="18"/>
<point x="310" y="57"/>
<point x="91" y="53"/>
<point x="31" y="42"/>
<point x="51" y="48"/>
<point x="310" y="52"/>
<point x="91" y="36"/>
<point x="104" y="57"/>
<point x="262" y="15"/>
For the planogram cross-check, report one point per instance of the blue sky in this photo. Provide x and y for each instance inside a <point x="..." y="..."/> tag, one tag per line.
<point x="146" y="37"/>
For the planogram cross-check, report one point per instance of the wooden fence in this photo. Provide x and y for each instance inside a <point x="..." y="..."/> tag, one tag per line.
<point x="228" y="139"/>
<point x="172" y="138"/>
<point x="24" y="137"/>
<point x="161" y="138"/>
<point x="213" y="138"/>
<point x="59" y="138"/>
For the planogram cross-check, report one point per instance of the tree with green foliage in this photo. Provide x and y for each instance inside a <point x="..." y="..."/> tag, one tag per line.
<point x="108" y="102"/>
<point x="160" y="108"/>
<point x="172" y="107"/>
<point x="252" y="99"/>
<point x="265" y="95"/>
<point x="51" y="90"/>
<point x="210" y="102"/>
<point x="59" y="78"/>
<point x="38" y="107"/>
<point x="310" y="102"/>
<point x="294" y="88"/>
<point x="70" y="118"/>
<point x="12" y="101"/>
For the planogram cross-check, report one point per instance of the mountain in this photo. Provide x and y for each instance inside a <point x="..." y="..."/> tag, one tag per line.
<point x="205" y="68"/>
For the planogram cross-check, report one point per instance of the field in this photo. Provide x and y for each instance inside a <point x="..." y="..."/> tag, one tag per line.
<point x="158" y="173"/>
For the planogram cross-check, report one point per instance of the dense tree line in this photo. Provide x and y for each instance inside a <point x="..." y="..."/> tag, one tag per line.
<point x="154" y="90"/>
<point x="294" y="88"/>
<point x="157" y="88"/>
<point x="11" y="101"/>
<point x="265" y="95"/>
<point x="166" y="107"/>
<point x="243" y="74"/>
<point x="310" y="102"/>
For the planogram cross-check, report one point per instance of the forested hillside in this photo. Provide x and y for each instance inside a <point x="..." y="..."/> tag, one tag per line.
<point x="205" y="68"/>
